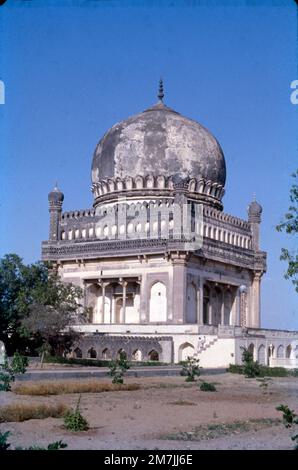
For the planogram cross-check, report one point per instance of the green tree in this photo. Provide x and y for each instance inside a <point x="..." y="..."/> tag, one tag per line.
<point x="289" y="225"/>
<point x="55" y="307"/>
<point x="35" y="306"/>
<point x="17" y="285"/>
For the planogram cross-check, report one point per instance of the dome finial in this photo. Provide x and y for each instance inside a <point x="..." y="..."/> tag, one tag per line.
<point x="160" y="90"/>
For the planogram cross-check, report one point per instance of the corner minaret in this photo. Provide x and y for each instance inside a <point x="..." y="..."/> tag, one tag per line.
<point x="254" y="219"/>
<point x="55" y="198"/>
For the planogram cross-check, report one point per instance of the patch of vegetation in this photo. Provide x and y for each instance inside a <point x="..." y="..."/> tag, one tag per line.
<point x="4" y="445"/>
<point x="213" y="431"/>
<point x="74" y="421"/>
<point x="290" y="419"/>
<point x="57" y="445"/>
<point x="118" y="369"/>
<point x="9" y="370"/>
<point x="23" y="411"/>
<point x="252" y="369"/>
<point x="207" y="387"/>
<point x="190" y="369"/>
<point x="60" y="388"/>
<point x="73" y="361"/>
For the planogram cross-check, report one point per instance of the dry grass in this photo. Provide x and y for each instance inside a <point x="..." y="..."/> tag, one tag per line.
<point x="182" y="403"/>
<point x="22" y="412"/>
<point x="58" y="388"/>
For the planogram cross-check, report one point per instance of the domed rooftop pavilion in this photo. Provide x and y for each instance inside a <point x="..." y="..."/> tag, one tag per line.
<point x="149" y="154"/>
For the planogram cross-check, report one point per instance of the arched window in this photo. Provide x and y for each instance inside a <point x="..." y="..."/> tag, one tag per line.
<point x="158" y="303"/>
<point x="153" y="355"/>
<point x="92" y="353"/>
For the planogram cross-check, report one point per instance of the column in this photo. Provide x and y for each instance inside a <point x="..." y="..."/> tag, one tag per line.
<point x="124" y="284"/>
<point x="103" y="299"/>
<point x="179" y="287"/>
<point x="254" y="319"/>
<point x="201" y="301"/>
<point x="138" y="283"/>
<point x="222" y="312"/>
<point x="210" y="307"/>
<point x="113" y="303"/>
<point x="111" y="306"/>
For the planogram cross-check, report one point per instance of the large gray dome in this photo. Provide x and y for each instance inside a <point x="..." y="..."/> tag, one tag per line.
<point x="159" y="141"/>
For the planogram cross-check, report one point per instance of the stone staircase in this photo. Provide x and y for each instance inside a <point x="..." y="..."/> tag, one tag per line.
<point x="206" y="346"/>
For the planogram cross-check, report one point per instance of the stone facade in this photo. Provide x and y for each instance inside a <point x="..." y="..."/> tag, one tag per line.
<point x="165" y="272"/>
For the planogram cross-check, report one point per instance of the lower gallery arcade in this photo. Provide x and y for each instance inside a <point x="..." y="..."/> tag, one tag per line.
<point x="125" y="300"/>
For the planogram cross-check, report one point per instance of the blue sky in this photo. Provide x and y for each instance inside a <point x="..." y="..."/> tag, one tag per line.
<point x="73" y="69"/>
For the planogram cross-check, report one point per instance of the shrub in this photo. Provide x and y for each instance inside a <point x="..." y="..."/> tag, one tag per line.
<point x="4" y="445"/>
<point x="7" y="375"/>
<point x="264" y="371"/>
<point x="22" y="412"/>
<point x="289" y="420"/>
<point x="235" y="369"/>
<point x="74" y="421"/>
<point x="207" y="387"/>
<point x="190" y="369"/>
<point x="19" y="363"/>
<point x="118" y="368"/>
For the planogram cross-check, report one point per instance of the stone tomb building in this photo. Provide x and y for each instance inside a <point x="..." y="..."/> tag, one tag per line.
<point x="165" y="271"/>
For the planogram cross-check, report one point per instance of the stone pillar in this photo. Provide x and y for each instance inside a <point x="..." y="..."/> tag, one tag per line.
<point x="124" y="285"/>
<point x="200" y="301"/>
<point x="255" y="316"/>
<point x="138" y="289"/>
<point x="222" y="311"/>
<point x="113" y="304"/>
<point x="179" y="287"/>
<point x="243" y="305"/>
<point x="103" y="298"/>
<point x="144" y="305"/>
<point x="210" y="308"/>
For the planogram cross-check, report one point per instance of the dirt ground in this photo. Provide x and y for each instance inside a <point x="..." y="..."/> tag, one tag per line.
<point x="167" y="407"/>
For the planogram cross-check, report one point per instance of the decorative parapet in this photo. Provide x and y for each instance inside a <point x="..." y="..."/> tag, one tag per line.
<point x="104" y="223"/>
<point x="151" y="186"/>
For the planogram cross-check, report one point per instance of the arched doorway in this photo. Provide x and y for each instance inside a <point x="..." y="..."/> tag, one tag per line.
<point x="191" y="305"/>
<point x="92" y="353"/>
<point x="136" y="355"/>
<point x="261" y="354"/>
<point x="118" y="312"/>
<point x="206" y="305"/>
<point x="288" y="351"/>
<point x="153" y="355"/>
<point x="185" y="350"/>
<point x="78" y="353"/>
<point x="280" y="351"/>
<point x="158" y="303"/>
